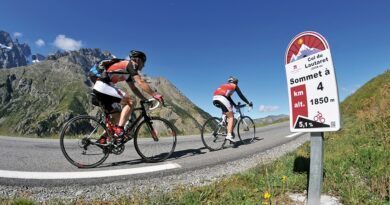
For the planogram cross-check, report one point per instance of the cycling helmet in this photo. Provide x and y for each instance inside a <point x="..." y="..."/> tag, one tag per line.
<point x="138" y="54"/>
<point x="233" y="80"/>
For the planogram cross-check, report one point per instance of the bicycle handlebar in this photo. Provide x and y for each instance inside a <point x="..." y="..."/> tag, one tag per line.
<point x="239" y="105"/>
<point x="151" y="102"/>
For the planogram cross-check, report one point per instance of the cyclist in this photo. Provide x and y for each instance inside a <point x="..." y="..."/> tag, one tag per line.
<point x="222" y="99"/>
<point x="114" y="71"/>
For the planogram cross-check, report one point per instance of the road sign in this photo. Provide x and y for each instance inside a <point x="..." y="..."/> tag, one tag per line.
<point x="312" y="87"/>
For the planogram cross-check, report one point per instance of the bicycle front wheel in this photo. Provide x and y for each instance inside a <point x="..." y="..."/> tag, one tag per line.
<point x="155" y="139"/>
<point x="246" y="130"/>
<point x="213" y="134"/>
<point x="79" y="140"/>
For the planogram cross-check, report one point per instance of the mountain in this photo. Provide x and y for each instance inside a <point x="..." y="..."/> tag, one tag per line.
<point x="36" y="58"/>
<point x="303" y="52"/>
<point x="84" y="57"/>
<point x="183" y="113"/>
<point x="271" y="118"/>
<point x="37" y="99"/>
<point x="12" y="54"/>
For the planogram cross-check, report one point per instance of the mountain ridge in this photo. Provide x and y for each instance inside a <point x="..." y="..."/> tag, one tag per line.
<point x="37" y="99"/>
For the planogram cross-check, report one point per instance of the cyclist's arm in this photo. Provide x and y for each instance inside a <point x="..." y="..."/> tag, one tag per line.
<point x="231" y="101"/>
<point x="243" y="98"/>
<point x="144" y="85"/>
<point x="136" y="91"/>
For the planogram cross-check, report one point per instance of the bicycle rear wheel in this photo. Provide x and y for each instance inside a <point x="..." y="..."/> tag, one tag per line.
<point x="246" y="130"/>
<point x="79" y="140"/>
<point x="213" y="134"/>
<point x="155" y="139"/>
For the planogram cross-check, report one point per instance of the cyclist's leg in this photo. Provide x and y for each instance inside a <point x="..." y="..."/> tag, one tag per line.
<point x="227" y="109"/>
<point x="129" y="103"/>
<point x="230" y="119"/>
<point x="110" y="97"/>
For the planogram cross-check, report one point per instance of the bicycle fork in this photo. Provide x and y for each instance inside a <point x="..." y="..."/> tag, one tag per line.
<point x="152" y="130"/>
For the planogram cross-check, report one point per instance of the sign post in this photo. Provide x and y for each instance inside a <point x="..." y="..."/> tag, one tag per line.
<point x="313" y="98"/>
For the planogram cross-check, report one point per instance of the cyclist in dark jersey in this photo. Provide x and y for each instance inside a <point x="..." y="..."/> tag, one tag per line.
<point x="110" y="96"/>
<point x="222" y="99"/>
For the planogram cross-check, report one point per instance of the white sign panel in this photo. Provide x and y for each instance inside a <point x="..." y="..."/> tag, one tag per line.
<point x="312" y="87"/>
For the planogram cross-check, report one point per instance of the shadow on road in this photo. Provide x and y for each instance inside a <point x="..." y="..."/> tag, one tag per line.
<point x="246" y="142"/>
<point x="187" y="153"/>
<point x="122" y="163"/>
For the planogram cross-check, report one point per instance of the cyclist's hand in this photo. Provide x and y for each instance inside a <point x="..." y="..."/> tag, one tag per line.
<point x="250" y="104"/>
<point x="159" y="97"/>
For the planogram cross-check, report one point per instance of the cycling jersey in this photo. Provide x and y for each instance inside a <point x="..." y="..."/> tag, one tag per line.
<point x="105" y="89"/>
<point x="226" y="90"/>
<point x="121" y="71"/>
<point x="222" y="96"/>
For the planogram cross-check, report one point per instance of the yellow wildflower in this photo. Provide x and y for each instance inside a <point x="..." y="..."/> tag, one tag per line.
<point x="284" y="178"/>
<point x="267" y="195"/>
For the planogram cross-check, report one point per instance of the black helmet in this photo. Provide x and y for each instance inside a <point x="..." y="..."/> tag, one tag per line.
<point x="233" y="80"/>
<point x="138" y="54"/>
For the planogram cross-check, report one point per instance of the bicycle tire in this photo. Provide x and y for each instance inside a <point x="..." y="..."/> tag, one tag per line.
<point x="213" y="134"/>
<point x="145" y="145"/>
<point x="78" y="137"/>
<point x="244" y="130"/>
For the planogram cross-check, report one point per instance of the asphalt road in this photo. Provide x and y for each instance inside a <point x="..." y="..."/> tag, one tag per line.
<point x="33" y="161"/>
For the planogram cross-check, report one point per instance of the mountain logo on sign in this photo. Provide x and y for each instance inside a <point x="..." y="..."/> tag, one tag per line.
<point x="303" y="52"/>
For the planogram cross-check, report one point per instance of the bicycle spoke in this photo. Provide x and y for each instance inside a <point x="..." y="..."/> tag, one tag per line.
<point x="155" y="139"/>
<point x="80" y="142"/>
<point x="246" y="130"/>
<point x="213" y="134"/>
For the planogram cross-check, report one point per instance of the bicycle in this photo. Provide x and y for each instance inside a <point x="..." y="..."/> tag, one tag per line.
<point x="319" y="118"/>
<point x="82" y="136"/>
<point x="214" y="130"/>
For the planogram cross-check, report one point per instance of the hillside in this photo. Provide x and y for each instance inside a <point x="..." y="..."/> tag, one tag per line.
<point x="36" y="100"/>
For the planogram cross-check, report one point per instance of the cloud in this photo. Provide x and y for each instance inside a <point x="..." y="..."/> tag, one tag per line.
<point x="67" y="44"/>
<point x="18" y="35"/>
<point x="268" y="108"/>
<point x="40" y="42"/>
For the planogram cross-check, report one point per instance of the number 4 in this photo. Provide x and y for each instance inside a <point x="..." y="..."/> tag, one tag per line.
<point x="320" y="86"/>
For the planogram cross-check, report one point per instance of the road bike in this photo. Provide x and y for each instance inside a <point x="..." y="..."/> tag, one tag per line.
<point x="214" y="130"/>
<point x="86" y="141"/>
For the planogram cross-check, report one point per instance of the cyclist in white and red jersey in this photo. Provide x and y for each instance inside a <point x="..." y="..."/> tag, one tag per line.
<point x="117" y="70"/>
<point x="222" y="99"/>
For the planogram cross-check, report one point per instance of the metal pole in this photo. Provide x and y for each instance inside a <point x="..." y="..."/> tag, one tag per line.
<point x="316" y="167"/>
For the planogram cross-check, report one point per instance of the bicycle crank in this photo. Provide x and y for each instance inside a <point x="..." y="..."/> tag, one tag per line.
<point x="118" y="149"/>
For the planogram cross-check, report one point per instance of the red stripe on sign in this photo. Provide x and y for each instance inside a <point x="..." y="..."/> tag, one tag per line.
<point x="299" y="102"/>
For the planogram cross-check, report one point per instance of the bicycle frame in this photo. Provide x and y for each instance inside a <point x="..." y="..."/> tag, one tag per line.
<point x="130" y="125"/>
<point x="238" y="110"/>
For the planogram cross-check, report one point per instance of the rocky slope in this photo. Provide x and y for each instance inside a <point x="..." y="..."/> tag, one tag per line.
<point x="12" y="53"/>
<point x="38" y="99"/>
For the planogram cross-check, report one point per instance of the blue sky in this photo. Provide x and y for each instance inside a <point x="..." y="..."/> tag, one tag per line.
<point x="198" y="44"/>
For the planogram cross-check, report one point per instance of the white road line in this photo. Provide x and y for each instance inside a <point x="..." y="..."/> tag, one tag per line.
<point x="294" y="135"/>
<point x="86" y="174"/>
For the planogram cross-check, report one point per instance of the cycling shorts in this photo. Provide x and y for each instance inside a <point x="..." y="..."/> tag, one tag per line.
<point x="223" y="103"/>
<point x="108" y="95"/>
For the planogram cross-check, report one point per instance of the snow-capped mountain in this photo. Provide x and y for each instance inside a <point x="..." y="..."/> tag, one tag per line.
<point x="12" y="53"/>
<point x="5" y="47"/>
<point x="304" y="51"/>
<point x="36" y="58"/>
